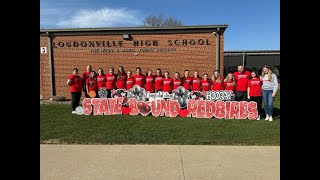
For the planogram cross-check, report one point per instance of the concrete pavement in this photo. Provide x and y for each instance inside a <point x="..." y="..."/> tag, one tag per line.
<point x="166" y="162"/>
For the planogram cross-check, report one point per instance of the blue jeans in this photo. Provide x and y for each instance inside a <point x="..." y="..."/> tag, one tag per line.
<point x="268" y="101"/>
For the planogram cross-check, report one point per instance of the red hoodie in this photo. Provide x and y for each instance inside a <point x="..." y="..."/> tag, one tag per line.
<point x="217" y="86"/>
<point x="167" y="84"/>
<point x="177" y="83"/>
<point x="196" y="84"/>
<point x="255" y="87"/>
<point x="150" y="84"/>
<point x="241" y="80"/>
<point x="187" y="82"/>
<point x="159" y="82"/>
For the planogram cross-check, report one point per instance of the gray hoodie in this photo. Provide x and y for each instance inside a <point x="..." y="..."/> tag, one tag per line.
<point x="270" y="85"/>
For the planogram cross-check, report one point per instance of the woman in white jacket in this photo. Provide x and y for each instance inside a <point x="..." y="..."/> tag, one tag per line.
<point x="269" y="90"/>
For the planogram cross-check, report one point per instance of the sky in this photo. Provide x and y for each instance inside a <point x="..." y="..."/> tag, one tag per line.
<point x="252" y="24"/>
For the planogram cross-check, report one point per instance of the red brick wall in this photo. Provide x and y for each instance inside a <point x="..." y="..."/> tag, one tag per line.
<point x="44" y="70"/>
<point x="192" y="57"/>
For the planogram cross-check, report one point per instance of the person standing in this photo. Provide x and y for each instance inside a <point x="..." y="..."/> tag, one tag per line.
<point x="217" y="81"/>
<point x="139" y="78"/>
<point x="85" y="76"/>
<point x="167" y="82"/>
<point x="92" y="84"/>
<point x="158" y="81"/>
<point x="196" y="82"/>
<point x="75" y="83"/>
<point x="149" y="81"/>
<point x="187" y="80"/>
<point x="177" y="80"/>
<point x="254" y="92"/>
<point x="269" y="90"/>
<point x="121" y="78"/>
<point x="230" y="84"/>
<point x="241" y="77"/>
<point x="205" y="83"/>
<point x="101" y="79"/>
<point x="130" y="81"/>
<point x="111" y="82"/>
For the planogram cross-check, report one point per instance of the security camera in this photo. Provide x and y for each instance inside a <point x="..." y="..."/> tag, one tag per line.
<point x="214" y="33"/>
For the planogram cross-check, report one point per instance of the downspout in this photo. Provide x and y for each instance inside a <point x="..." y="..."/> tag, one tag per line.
<point x="50" y="64"/>
<point x="243" y="58"/>
<point x="218" y="49"/>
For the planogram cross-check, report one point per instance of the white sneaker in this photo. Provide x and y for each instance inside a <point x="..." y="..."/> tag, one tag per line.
<point x="258" y="118"/>
<point x="74" y="112"/>
<point x="270" y="118"/>
<point x="267" y="118"/>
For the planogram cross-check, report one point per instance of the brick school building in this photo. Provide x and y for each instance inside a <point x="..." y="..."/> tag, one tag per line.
<point x="173" y="49"/>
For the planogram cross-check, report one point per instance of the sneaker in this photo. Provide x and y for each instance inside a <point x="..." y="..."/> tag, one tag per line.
<point x="258" y="118"/>
<point x="267" y="118"/>
<point x="270" y="118"/>
<point x="74" y="112"/>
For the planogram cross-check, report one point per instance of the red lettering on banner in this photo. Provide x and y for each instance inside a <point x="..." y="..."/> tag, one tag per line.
<point x="95" y="102"/>
<point x="252" y="109"/>
<point x="174" y="106"/>
<point x="220" y="109"/>
<point x="165" y="108"/>
<point x="201" y="109"/>
<point x="243" y="110"/>
<point x="86" y="104"/>
<point x="104" y="107"/>
<point x="228" y="104"/>
<point x="133" y="106"/>
<point x="234" y="110"/>
<point x="156" y="108"/>
<point x="210" y="109"/>
<point x="118" y="106"/>
<point x="192" y="108"/>
<point x="112" y="104"/>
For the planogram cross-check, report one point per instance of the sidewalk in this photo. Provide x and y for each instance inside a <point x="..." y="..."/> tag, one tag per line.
<point x="158" y="162"/>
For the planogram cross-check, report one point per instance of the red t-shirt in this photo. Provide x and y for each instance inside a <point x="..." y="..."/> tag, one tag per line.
<point x="76" y="83"/>
<point x="217" y="86"/>
<point x="150" y="84"/>
<point x="230" y="85"/>
<point x="196" y="84"/>
<point x="167" y="84"/>
<point x="101" y="81"/>
<point x="159" y="82"/>
<point x="187" y="83"/>
<point x="85" y="76"/>
<point x="111" y="81"/>
<point x="205" y="85"/>
<point x="255" y="87"/>
<point x="122" y="81"/>
<point x="241" y="80"/>
<point x="177" y="83"/>
<point x="140" y="80"/>
<point x="130" y="83"/>
<point x="92" y="84"/>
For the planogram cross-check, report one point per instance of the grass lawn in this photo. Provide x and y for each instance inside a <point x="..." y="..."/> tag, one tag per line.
<point x="58" y="125"/>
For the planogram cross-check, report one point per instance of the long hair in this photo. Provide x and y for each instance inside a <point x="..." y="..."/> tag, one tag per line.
<point x="119" y="74"/>
<point x="219" y="79"/>
<point x="269" y="72"/>
<point x="229" y="77"/>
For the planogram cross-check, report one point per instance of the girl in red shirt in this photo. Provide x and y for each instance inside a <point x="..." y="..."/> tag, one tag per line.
<point x="230" y="84"/>
<point x="130" y="81"/>
<point x="75" y="83"/>
<point x="167" y="83"/>
<point x="149" y="81"/>
<point x="187" y="80"/>
<point x="217" y="81"/>
<point x="254" y="91"/>
<point x="139" y="78"/>
<point x="101" y="79"/>
<point x="85" y="76"/>
<point x="158" y="79"/>
<point x="196" y="82"/>
<point x="121" y="78"/>
<point x="92" y="84"/>
<point x="111" y="82"/>
<point x="177" y="80"/>
<point x="205" y="83"/>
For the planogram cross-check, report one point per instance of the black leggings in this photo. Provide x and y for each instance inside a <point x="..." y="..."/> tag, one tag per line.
<point x="257" y="99"/>
<point x="75" y="100"/>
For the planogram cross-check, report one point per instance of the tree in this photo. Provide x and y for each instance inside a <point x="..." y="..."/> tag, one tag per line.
<point x="161" y="21"/>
